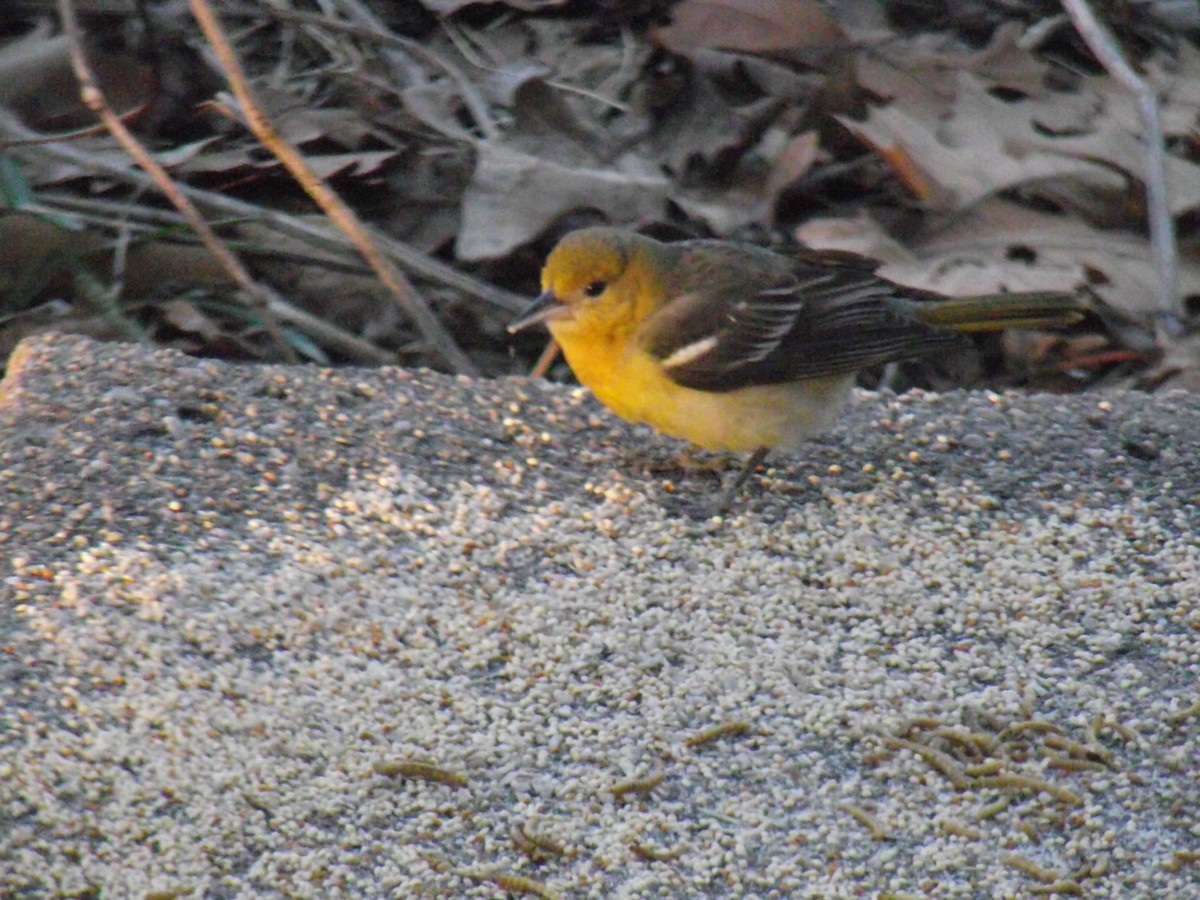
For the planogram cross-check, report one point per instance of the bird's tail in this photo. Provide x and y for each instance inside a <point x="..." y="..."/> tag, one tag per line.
<point x="992" y="312"/>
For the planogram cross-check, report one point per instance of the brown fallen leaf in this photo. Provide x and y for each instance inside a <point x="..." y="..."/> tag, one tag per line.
<point x="860" y="234"/>
<point x="449" y="7"/>
<point x="750" y="198"/>
<point x="513" y="197"/>
<point x="768" y="27"/>
<point x="985" y="147"/>
<point x="186" y="317"/>
<point x="1116" y="265"/>
<point x="695" y="129"/>
<point x="920" y="75"/>
<point x="38" y="83"/>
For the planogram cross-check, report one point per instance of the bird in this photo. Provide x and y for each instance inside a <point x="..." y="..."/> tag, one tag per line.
<point x="734" y="347"/>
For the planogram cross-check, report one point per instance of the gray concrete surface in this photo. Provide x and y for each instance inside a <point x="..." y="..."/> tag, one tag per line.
<point x="282" y="632"/>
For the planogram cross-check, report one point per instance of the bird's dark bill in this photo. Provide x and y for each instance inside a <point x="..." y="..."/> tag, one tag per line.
<point x="543" y="309"/>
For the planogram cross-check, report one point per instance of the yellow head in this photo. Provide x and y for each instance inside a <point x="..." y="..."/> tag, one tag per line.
<point x="596" y="282"/>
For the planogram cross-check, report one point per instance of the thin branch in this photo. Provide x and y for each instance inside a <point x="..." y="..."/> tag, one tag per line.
<point x="1162" y="227"/>
<point x="334" y="207"/>
<point x="95" y="100"/>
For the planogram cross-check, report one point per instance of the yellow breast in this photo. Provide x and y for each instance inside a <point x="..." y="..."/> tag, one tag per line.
<point x="630" y="382"/>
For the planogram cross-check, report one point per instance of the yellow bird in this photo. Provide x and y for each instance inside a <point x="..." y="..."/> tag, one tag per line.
<point x="737" y="348"/>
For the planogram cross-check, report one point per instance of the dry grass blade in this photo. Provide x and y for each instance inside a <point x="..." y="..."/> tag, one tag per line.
<point x="334" y="207"/>
<point x="94" y="98"/>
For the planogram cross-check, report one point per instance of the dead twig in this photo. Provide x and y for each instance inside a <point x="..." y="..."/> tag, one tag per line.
<point x="1168" y="324"/>
<point x="96" y="102"/>
<point x="545" y="361"/>
<point x="411" y="303"/>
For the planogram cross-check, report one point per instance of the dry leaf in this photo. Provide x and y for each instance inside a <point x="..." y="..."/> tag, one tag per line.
<point x="38" y="83"/>
<point x="985" y="147"/>
<point x="750" y="198"/>
<point x="704" y="132"/>
<point x="344" y="127"/>
<point x="436" y="104"/>
<point x="861" y="235"/>
<point x="544" y="124"/>
<point x="1177" y="84"/>
<point x="513" y="197"/>
<point x="184" y="316"/>
<point x="449" y="7"/>
<point x="768" y="27"/>
<point x="743" y="40"/>
<point x="921" y="76"/>
<point x="1117" y="265"/>
<point x="978" y="255"/>
<point x="1113" y="136"/>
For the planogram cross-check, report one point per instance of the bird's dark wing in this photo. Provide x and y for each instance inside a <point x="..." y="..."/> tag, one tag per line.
<point x="742" y="316"/>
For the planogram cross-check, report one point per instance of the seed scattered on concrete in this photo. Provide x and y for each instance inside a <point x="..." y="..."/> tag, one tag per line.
<point x="640" y="786"/>
<point x="215" y="629"/>
<point x="877" y="830"/>
<point x="725" y="729"/>
<point x="421" y="771"/>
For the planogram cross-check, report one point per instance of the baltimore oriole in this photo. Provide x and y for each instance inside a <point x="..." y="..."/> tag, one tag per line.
<point x="737" y="348"/>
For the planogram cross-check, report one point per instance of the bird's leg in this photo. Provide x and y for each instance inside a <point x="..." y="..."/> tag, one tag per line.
<point x="689" y="459"/>
<point x="731" y="492"/>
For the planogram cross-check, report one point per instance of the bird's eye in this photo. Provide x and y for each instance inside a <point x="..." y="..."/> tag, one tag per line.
<point x="596" y="288"/>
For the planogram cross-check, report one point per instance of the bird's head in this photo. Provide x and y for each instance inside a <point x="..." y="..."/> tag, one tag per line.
<point x="587" y="282"/>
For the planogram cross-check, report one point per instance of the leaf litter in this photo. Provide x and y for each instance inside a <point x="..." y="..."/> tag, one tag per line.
<point x="969" y="156"/>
